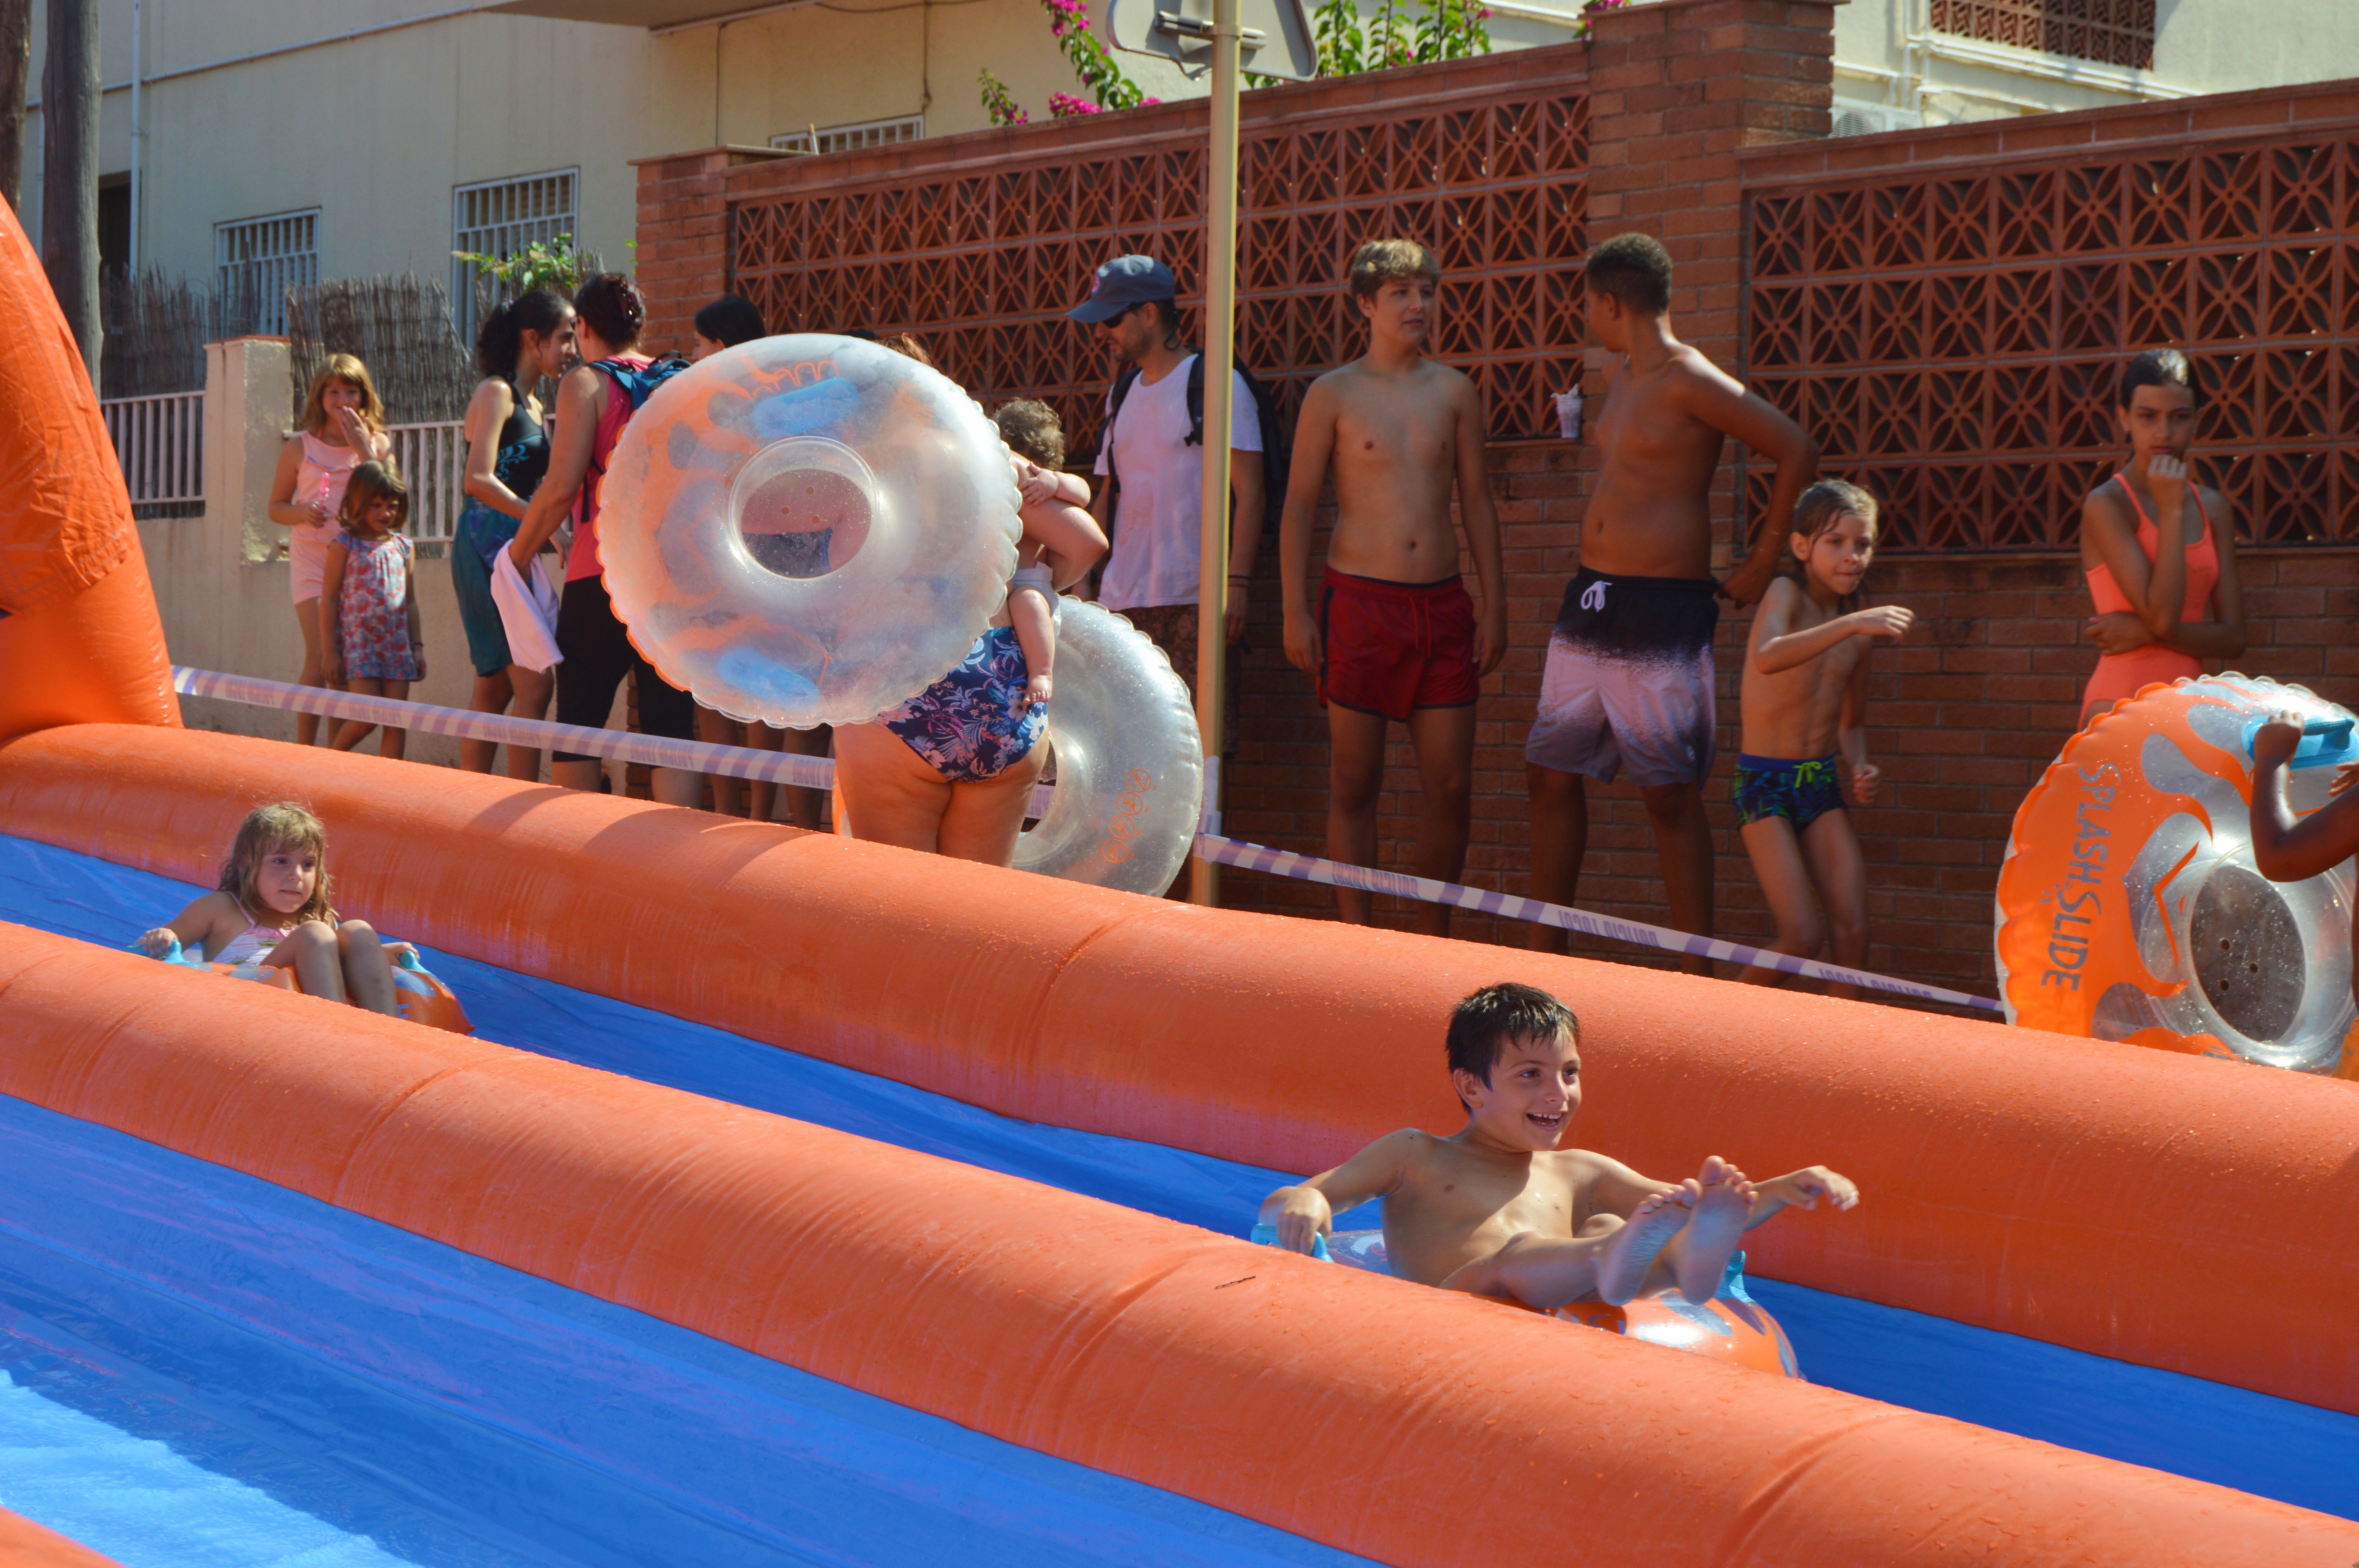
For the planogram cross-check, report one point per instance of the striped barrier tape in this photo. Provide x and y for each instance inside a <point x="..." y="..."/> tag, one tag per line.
<point x="818" y="773"/>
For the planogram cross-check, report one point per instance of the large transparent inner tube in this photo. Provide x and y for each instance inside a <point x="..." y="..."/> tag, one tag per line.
<point x="2129" y="906"/>
<point x="1128" y="759"/>
<point x="807" y="529"/>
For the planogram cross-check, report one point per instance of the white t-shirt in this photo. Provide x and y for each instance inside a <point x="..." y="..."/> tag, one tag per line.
<point x="1159" y="515"/>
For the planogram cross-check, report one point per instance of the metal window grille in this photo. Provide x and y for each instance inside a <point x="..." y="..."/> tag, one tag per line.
<point x="499" y="218"/>
<point x="854" y="139"/>
<point x="431" y="460"/>
<point x="160" y="442"/>
<point x="258" y="260"/>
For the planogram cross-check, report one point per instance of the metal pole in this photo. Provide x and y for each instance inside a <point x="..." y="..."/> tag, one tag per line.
<point x="131" y="239"/>
<point x="70" y="170"/>
<point x="1220" y="361"/>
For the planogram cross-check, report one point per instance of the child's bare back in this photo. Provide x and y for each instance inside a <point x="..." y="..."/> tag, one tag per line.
<point x="1498" y="1209"/>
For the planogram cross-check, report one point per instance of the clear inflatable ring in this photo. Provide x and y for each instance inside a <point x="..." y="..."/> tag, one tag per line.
<point x="1128" y="757"/>
<point x="807" y="529"/>
<point x="2129" y="906"/>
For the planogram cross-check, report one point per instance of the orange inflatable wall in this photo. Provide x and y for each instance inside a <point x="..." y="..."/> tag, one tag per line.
<point x="1413" y="1425"/>
<point x="2182" y="1213"/>
<point x="24" y="1544"/>
<point x="79" y="635"/>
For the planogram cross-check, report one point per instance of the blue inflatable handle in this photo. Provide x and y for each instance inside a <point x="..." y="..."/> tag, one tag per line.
<point x="174" y="957"/>
<point x="2324" y="741"/>
<point x="1266" y="1236"/>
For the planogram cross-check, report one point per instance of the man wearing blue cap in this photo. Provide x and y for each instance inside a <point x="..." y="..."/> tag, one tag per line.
<point x="1151" y="455"/>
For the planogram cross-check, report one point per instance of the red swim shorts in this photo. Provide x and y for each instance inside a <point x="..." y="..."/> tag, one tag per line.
<point x="1390" y="647"/>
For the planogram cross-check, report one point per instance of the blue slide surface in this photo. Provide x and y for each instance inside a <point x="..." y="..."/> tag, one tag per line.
<point x="2272" y="1447"/>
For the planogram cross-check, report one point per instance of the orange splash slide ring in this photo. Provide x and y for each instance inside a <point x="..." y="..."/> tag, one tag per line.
<point x="2129" y="906"/>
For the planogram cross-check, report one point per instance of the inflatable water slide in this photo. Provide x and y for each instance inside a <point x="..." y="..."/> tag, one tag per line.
<point x="805" y="1201"/>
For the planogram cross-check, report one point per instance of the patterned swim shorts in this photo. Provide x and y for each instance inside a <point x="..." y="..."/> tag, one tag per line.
<point x="1802" y="792"/>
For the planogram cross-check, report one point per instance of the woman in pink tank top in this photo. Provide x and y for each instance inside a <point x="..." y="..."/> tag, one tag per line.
<point x="595" y="650"/>
<point x="2159" y="550"/>
<point x="342" y="426"/>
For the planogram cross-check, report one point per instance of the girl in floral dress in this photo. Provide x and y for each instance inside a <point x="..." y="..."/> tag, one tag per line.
<point x="368" y="611"/>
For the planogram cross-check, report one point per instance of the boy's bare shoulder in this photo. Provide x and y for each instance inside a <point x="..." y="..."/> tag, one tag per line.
<point x="1693" y="369"/>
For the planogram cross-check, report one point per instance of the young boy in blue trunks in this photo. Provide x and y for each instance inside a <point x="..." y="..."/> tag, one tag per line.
<point x="1805" y="705"/>
<point x="1498" y="1209"/>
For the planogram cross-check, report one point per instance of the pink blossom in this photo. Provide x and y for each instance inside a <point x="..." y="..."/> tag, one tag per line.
<point x="1064" y="105"/>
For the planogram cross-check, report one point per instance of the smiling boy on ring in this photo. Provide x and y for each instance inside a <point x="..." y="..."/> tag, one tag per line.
<point x="1497" y="1209"/>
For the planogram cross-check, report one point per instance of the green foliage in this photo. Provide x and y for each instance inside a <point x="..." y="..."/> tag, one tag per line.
<point x="544" y="264"/>
<point x="1000" y="103"/>
<point x="1091" y="61"/>
<point x="1440" y="29"/>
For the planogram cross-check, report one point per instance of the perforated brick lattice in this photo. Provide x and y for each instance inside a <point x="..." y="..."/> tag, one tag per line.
<point x="2113" y="32"/>
<point x="983" y="265"/>
<point x="1953" y="339"/>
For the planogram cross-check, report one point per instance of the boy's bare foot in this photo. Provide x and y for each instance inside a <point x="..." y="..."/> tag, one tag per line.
<point x="1721" y="1210"/>
<point x="1622" y="1267"/>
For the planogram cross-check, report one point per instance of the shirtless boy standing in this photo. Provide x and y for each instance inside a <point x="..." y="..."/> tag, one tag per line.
<point x="1629" y="678"/>
<point x="1805" y="706"/>
<point x="1497" y="1209"/>
<point x="1394" y="637"/>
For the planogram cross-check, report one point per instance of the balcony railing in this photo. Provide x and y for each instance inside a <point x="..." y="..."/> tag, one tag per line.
<point x="433" y="461"/>
<point x="160" y="442"/>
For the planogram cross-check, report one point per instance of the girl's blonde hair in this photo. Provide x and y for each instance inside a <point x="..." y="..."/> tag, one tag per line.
<point x="268" y="829"/>
<point x="1818" y="510"/>
<point x="370" y="480"/>
<point x="348" y="369"/>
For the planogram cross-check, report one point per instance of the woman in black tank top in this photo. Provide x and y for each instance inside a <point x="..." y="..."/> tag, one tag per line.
<point x="507" y="453"/>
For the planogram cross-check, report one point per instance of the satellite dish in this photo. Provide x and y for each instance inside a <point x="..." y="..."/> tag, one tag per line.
<point x="1277" y="37"/>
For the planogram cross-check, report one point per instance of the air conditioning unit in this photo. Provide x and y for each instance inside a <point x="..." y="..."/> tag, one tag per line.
<point x="1856" y="117"/>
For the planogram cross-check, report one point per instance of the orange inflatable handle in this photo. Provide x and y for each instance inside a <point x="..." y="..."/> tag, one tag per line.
<point x="24" y="1544"/>
<point x="1415" y="1426"/>
<point x="2181" y="1213"/>
<point x="78" y="634"/>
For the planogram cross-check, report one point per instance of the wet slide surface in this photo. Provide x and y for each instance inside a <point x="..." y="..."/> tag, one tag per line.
<point x="96" y="1349"/>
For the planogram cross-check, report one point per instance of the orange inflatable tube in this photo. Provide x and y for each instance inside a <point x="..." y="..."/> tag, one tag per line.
<point x="2043" y="1185"/>
<point x="1415" y="1426"/>
<point x="24" y="1544"/>
<point x="79" y="635"/>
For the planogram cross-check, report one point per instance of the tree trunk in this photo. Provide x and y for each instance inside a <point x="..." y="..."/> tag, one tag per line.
<point x="16" y="64"/>
<point x="70" y="170"/>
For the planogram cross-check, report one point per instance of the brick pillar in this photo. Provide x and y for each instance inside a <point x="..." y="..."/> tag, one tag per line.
<point x="682" y="260"/>
<point x="1676" y="88"/>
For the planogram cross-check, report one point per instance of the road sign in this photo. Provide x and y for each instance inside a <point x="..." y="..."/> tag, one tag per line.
<point x="1273" y="36"/>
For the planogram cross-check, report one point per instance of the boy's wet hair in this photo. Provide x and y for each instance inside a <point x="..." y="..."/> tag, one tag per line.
<point x="1634" y="269"/>
<point x="1481" y="1025"/>
<point x="1031" y="429"/>
<point x="1818" y="510"/>
<point x="730" y="321"/>
<point x="371" y="479"/>
<point x="2155" y="367"/>
<point x="1380" y="261"/>
<point x="282" y="826"/>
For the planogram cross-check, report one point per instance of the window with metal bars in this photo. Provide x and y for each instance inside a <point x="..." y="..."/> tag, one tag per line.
<point x="2112" y="32"/>
<point x="258" y="260"/>
<point x="499" y="218"/>
<point x="853" y="139"/>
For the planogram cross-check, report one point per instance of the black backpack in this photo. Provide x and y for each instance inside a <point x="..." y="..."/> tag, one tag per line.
<point x="1276" y="450"/>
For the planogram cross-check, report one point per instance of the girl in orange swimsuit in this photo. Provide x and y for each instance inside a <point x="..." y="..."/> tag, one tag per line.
<point x="2165" y="592"/>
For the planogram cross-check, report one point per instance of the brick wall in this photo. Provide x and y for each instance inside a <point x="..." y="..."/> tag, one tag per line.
<point x="1692" y="104"/>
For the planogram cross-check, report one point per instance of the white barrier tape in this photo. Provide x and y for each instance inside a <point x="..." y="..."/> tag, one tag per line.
<point x="623" y="745"/>
<point x="1309" y="868"/>
<point x="818" y="773"/>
